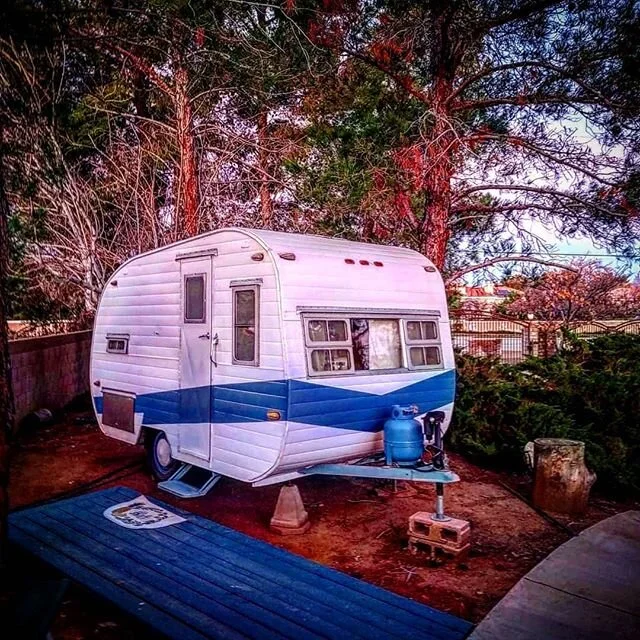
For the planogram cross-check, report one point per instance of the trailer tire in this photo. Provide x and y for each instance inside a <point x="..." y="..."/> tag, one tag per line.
<point x="159" y="458"/>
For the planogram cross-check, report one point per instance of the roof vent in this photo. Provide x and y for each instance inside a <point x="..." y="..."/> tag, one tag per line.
<point x="287" y="256"/>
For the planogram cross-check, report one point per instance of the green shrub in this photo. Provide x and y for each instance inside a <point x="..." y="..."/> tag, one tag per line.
<point x="590" y="391"/>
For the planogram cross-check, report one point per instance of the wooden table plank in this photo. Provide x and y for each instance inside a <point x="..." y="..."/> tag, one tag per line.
<point x="197" y="579"/>
<point x="204" y="580"/>
<point x="139" y="582"/>
<point x="325" y="585"/>
<point x="311" y="572"/>
<point x="125" y="599"/>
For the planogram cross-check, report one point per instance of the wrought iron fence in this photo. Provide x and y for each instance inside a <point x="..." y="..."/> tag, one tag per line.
<point x="510" y="340"/>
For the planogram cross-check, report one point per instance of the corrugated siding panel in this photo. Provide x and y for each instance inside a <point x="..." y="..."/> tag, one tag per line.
<point x="307" y="445"/>
<point x="146" y="304"/>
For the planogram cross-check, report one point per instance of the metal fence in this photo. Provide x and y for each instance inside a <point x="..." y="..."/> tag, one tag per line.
<point x="482" y="334"/>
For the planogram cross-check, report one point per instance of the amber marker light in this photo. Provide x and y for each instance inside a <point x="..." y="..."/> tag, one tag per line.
<point x="272" y="414"/>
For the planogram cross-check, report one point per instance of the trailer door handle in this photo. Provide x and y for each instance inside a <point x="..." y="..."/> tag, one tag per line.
<point x="206" y="336"/>
<point x="214" y="357"/>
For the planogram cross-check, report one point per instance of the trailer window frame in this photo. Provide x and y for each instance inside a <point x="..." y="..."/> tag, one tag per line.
<point x="255" y="289"/>
<point x="401" y="318"/>
<point x="113" y="340"/>
<point x="423" y="343"/>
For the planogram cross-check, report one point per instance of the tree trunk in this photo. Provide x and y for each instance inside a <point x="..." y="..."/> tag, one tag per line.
<point x="6" y="393"/>
<point x="437" y="178"/>
<point x="562" y="481"/>
<point x="188" y="197"/>
<point x="266" y="204"/>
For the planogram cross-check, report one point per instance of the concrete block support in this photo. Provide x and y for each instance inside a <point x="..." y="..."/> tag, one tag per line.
<point x="451" y="537"/>
<point x="290" y="516"/>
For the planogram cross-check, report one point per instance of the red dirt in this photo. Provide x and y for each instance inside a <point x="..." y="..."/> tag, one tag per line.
<point x="358" y="526"/>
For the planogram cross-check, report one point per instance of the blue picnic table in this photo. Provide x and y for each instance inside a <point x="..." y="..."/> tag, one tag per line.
<point x="197" y="579"/>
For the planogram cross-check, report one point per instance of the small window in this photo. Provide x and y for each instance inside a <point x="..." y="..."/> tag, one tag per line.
<point x="423" y="341"/>
<point x="245" y="325"/>
<point x="195" y="298"/>
<point x="327" y="330"/>
<point x="421" y="330"/>
<point x="325" y="360"/>
<point x="117" y="343"/>
<point x="424" y="356"/>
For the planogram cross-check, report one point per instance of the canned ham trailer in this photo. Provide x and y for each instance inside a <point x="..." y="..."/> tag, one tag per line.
<point x="260" y="355"/>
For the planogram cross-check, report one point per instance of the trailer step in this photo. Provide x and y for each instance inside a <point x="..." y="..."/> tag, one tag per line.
<point x="190" y="482"/>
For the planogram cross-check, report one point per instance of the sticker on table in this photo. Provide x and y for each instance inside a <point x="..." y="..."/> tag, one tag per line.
<point x="139" y="513"/>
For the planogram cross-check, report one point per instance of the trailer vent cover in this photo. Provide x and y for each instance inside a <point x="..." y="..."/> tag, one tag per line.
<point x="118" y="411"/>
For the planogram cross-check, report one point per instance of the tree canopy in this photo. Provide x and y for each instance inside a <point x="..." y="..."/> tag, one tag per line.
<point x="588" y="292"/>
<point x="462" y="128"/>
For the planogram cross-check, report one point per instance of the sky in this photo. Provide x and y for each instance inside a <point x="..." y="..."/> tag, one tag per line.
<point x="586" y="246"/>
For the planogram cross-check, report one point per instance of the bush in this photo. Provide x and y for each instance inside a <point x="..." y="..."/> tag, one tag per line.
<point x="590" y="391"/>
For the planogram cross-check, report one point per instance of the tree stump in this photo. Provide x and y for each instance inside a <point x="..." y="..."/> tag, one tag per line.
<point x="562" y="481"/>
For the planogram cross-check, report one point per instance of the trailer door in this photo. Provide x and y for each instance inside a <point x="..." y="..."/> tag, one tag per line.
<point x="194" y="435"/>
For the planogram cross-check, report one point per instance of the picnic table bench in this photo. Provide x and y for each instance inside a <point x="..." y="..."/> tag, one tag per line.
<point x="197" y="579"/>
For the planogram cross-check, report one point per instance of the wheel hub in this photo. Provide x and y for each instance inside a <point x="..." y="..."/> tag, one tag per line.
<point x="163" y="452"/>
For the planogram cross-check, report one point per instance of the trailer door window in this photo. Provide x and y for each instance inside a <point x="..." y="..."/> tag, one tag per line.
<point x="194" y="298"/>
<point x="245" y="325"/>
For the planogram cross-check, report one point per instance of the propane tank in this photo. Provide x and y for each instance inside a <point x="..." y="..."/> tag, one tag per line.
<point x="403" y="439"/>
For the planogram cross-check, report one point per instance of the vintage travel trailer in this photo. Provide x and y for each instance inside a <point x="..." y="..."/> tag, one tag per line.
<point x="256" y="355"/>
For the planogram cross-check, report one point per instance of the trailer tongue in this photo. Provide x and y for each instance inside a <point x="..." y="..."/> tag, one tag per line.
<point x="405" y="449"/>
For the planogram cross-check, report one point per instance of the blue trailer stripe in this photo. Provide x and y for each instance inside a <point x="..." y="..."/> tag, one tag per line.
<point x="296" y="400"/>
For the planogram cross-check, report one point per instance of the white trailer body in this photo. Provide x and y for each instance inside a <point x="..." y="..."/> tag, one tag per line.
<point x="260" y="353"/>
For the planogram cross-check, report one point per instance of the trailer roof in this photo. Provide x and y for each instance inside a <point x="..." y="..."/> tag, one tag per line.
<point x="278" y="241"/>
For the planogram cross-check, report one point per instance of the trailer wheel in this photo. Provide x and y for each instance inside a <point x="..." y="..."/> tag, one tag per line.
<point x="162" y="465"/>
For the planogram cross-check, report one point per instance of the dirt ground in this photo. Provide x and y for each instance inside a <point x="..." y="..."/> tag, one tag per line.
<point x="358" y="526"/>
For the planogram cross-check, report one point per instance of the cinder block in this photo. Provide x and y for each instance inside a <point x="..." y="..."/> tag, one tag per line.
<point x="451" y="537"/>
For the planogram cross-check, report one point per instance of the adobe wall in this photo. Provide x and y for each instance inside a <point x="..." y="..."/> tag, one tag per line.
<point x="50" y="371"/>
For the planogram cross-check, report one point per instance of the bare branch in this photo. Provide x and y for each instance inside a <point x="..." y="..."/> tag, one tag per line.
<point x="488" y="263"/>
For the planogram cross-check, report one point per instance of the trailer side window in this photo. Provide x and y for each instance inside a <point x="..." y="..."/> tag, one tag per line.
<point x="195" y="298"/>
<point x="246" y="304"/>
<point x="353" y="345"/>
<point x="423" y="342"/>
<point x="338" y="346"/>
